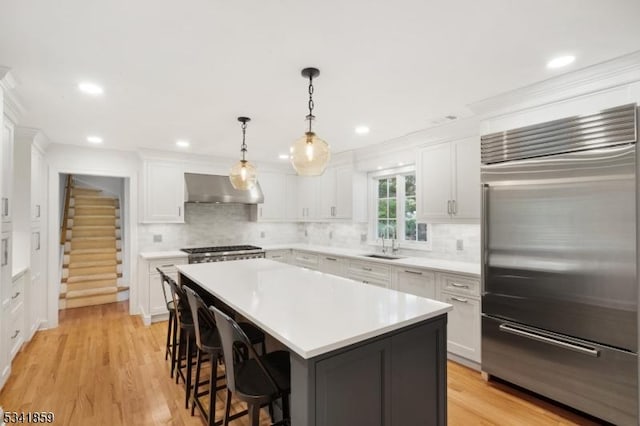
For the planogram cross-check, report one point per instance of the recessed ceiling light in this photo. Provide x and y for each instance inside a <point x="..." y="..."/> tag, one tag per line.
<point x="560" y="61"/>
<point x="283" y="156"/>
<point x="90" y="88"/>
<point x="182" y="143"/>
<point x="400" y="164"/>
<point x="362" y="130"/>
<point x="379" y="167"/>
<point x="94" y="139"/>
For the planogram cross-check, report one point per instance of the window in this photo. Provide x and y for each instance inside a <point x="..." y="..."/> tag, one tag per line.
<point x="395" y="207"/>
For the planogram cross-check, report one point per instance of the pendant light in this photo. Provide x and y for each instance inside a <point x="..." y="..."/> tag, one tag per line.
<point x="310" y="154"/>
<point x="243" y="173"/>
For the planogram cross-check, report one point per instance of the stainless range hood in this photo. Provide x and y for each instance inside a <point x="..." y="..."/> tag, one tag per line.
<point x="218" y="189"/>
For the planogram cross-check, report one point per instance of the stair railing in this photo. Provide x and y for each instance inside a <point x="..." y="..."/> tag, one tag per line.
<point x="65" y="217"/>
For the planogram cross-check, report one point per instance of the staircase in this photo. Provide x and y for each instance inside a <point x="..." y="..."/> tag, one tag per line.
<point x="92" y="264"/>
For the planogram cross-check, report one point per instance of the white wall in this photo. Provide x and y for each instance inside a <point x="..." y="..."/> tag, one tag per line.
<point x="113" y="186"/>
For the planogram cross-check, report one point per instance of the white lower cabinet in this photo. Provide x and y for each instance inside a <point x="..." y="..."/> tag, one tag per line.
<point x="420" y="282"/>
<point x="283" y="256"/>
<point x="305" y="259"/>
<point x="464" y="322"/>
<point x="369" y="273"/>
<point x="333" y="265"/>
<point x="152" y="303"/>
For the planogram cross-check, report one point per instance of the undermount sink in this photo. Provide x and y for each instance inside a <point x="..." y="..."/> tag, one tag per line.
<point x="383" y="256"/>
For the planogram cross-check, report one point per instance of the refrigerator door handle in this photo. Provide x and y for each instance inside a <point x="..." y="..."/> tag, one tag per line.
<point x="484" y="236"/>
<point x="549" y="340"/>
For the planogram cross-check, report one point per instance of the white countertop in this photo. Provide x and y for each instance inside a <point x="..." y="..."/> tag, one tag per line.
<point x="150" y="255"/>
<point x="409" y="261"/>
<point x="310" y="312"/>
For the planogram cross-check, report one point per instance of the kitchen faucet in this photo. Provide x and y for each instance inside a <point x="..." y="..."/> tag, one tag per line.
<point x="395" y="246"/>
<point x="384" y="247"/>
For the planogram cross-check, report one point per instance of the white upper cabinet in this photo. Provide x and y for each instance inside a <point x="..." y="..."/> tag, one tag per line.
<point x="308" y="203"/>
<point x="6" y="184"/>
<point x="38" y="175"/>
<point x="273" y="188"/>
<point x="342" y="194"/>
<point x="466" y="184"/>
<point x="163" y="192"/>
<point x="448" y="177"/>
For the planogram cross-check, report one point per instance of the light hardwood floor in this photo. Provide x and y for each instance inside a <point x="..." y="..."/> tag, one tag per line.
<point x="104" y="367"/>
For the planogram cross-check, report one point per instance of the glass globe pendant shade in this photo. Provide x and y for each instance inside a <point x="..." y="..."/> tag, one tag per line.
<point x="310" y="155"/>
<point x="243" y="175"/>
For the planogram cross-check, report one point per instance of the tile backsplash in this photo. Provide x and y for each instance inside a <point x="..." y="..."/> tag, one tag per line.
<point x="224" y="224"/>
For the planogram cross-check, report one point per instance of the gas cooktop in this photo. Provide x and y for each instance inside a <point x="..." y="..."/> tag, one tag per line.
<point x="218" y="249"/>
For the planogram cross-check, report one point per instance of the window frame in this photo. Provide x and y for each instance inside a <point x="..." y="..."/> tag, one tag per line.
<point x="398" y="172"/>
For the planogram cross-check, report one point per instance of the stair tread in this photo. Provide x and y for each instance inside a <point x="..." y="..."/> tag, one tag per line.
<point x="94" y="277"/>
<point x="95" y="197"/>
<point x="101" y="238"/>
<point x="93" y="250"/>
<point x="96" y="216"/>
<point x="107" y="262"/>
<point x="73" y="294"/>
<point x="94" y="227"/>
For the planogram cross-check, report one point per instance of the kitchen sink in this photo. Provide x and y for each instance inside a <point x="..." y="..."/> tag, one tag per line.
<point x="383" y="256"/>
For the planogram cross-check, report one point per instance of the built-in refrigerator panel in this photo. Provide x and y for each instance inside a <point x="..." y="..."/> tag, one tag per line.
<point x="560" y="244"/>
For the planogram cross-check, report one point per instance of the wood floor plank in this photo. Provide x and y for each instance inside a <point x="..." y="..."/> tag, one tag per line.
<point x="102" y="366"/>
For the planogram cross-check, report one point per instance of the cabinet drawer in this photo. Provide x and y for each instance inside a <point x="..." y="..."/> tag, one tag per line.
<point x="463" y="326"/>
<point x="460" y="284"/>
<point x="416" y="281"/>
<point x="167" y="265"/>
<point x="333" y="265"/>
<point x="306" y="260"/>
<point x="369" y="273"/>
<point x="278" y="255"/>
<point x="15" y="330"/>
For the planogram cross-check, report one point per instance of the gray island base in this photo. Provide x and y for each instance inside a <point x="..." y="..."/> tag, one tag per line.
<point x="398" y="379"/>
<point x="361" y="355"/>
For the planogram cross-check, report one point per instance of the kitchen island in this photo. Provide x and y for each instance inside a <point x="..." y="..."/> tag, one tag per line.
<point x="360" y="354"/>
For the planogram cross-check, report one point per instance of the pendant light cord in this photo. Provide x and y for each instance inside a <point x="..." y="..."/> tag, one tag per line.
<point x="310" y="117"/>
<point x="243" y="148"/>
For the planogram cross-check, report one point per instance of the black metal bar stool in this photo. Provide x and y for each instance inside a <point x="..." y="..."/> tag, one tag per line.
<point x="186" y="329"/>
<point x="172" y="326"/>
<point x="207" y="343"/>
<point x="256" y="380"/>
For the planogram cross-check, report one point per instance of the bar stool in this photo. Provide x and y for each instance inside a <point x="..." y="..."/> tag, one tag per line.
<point x="256" y="380"/>
<point x="172" y="324"/>
<point x="186" y="336"/>
<point x="207" y="343"/>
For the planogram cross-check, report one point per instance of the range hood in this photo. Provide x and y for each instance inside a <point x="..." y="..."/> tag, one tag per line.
<point x="218" y="189"/>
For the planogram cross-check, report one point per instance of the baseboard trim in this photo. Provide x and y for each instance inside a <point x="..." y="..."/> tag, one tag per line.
<point x="464" y="361"/>
<point x="5" y="375"/>
<point x="146" y="319"/>
<point x="160" y="317"/>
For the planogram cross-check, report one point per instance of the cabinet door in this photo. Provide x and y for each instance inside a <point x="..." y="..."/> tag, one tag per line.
<point x="344" y="193"/>
<point x="6" y="184"/>
<point x="308" y="198"/>
<point x="466" y="185"/>
<point x="5" y="266"/>
<point x="164" y="193"/>
<point x="274" y="189"/>
<point x="434" y="182"/>
<point x="416" y="281"/>
<point x="291" y="202"/>
<point x="328" y="183"/>
<point x="37" y="175"/>
<point x="463" y="328"/>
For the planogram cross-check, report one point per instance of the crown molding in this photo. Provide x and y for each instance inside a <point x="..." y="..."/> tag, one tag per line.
<point x="33" y="136"/>
<point x="13" y="107"/>
<point x="595" y="78"/>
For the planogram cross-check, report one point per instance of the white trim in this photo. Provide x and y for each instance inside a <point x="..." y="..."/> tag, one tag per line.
<point x="130" y="234"/>
<point x="599" y="77"/>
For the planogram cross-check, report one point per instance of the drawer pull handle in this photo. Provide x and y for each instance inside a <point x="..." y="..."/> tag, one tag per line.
<point x="459" y="299"/>
<point x="551" y="341"/>
<point x="15" y="296"/>
<point x="167" y="266"/>
<point x="332" y="259"/>
<point x="15" y="334"/>
<point x="413" y="272"/>
<point x="365" y="282"/>
<point x="459" y="285"/>
<point x="367" y="269"/>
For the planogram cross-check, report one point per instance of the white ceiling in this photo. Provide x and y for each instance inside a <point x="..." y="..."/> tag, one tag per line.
<point x="188" y="69"/>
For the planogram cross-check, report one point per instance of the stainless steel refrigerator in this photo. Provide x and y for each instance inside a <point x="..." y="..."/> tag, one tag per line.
<point x="560" y="279"/>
